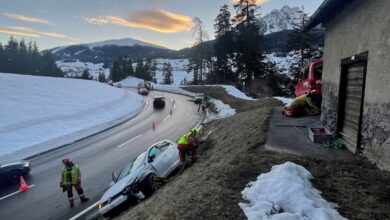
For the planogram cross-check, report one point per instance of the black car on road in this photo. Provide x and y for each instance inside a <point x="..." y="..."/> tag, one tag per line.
<point x="10" y="172"/>
<point x="159" y="102"/>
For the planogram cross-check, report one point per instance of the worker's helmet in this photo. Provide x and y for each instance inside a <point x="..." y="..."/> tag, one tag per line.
<point x="66" y="161"/>
<point x="195" y="130"/>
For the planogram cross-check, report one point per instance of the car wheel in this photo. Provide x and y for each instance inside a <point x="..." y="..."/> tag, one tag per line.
<point x="14" y="176"/>
<point x="149" y="185"/>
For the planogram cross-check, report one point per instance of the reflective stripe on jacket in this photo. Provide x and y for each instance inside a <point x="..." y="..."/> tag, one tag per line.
<point x="74" y="174"/>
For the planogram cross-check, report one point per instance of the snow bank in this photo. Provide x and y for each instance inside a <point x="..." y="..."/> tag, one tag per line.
<point x="233" y="91"/>
<point x="286" y="193"/>
<point x="41" y="113"/>
<point x="223" y="109"/>
<point x="286" y="101"/>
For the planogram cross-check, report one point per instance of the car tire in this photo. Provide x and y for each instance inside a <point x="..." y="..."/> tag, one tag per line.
<point x="14" y="176"/>
<point x="149" y="185"/>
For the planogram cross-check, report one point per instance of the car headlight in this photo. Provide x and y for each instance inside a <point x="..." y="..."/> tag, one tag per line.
<point x="100" y="205"/>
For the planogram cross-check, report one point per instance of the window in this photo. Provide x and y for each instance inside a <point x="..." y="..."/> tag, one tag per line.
<point x="154" y="152"/>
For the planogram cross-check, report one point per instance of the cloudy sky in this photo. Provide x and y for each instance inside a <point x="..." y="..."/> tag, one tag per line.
<point x="54" y="23"/>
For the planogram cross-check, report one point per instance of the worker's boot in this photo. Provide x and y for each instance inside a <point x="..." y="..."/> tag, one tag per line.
<point x="71" y="203"/>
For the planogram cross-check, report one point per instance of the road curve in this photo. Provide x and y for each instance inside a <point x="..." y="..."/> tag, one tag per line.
<point x="97" y="156"/>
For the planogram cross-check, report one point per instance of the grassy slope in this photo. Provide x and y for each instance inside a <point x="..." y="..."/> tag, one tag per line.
<point x="232" y="156"/>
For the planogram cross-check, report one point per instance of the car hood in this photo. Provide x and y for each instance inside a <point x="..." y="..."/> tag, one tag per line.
<point x="19" y="163"/>
<point x="122" y="183"/>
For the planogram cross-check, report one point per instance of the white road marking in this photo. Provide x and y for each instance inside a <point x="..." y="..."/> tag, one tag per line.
<point x="72" y="144"/>
<point x="174" y="106"/>
<point x="14" y="193"/>
<point x="85" y="211"/>
<point x="143" y="110"/>
<point x="166" y="117"/>
<point x="129" y="141"/>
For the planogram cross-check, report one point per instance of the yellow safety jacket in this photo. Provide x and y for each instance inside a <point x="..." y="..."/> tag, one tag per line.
<point x="302" y="101"/>
<point x="74" y="174"/>
<point x="184" y="138"/>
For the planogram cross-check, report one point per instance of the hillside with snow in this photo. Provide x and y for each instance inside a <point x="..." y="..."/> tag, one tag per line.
<point x="40" y="113"/>
<point x="76" y="68"/>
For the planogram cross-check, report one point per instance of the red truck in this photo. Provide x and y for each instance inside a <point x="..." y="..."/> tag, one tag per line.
<point x="309" y="78"/>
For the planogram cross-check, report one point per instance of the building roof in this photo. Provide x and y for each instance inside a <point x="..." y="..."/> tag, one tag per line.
<point x="327" y="10"/>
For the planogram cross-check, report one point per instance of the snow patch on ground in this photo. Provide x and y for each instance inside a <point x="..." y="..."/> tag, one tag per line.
<point x="233" y="91"/>
<point x="223" y="109"/>
<point x="41" y="113"/>
<point x="286" y="193"/>
<point x="286" y="101"/>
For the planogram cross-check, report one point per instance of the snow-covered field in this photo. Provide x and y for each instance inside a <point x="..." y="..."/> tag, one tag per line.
<point x="40" y="113"/>
<point x="178" y="70"/>
<point x="286" y="193"/>
<point x="76" y="68"/>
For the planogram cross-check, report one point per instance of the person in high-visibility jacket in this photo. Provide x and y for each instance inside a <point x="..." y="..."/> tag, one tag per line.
<point x="304" y="104"/>
<point x="71" y="177"/>
<point x="186" y="144"/>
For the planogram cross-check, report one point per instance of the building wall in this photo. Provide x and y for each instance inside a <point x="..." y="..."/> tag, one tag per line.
<point x="362" y="26"/>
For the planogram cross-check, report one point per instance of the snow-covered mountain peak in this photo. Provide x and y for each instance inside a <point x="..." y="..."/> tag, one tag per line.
<point x="280" y="20"/>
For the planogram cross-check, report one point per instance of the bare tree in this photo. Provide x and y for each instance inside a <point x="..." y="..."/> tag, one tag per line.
<point x="198" y="31"/>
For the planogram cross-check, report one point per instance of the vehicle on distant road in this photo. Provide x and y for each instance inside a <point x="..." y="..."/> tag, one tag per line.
<point x="10" y="172"/>
<point x="143" y="91"/>
<point x="159" y="161"/>
<point x="309" y="78"/>
<point x="198" y="98"/>
<point x="159" y="102"/>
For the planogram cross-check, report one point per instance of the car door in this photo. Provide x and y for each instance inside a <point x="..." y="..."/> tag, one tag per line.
<point x="160" y="162"/>
<point x="172" y="153"/>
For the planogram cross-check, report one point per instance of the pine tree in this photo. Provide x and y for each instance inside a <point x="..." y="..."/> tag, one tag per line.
<point x="2" y="58"/>
<point x="86" y="75"/>
<point x="101" y="78"/>
<point x="223" y="47"/>
<point x="167" y="74"/>
<point x="249" y="55"/>
<point x="115" y="72"/>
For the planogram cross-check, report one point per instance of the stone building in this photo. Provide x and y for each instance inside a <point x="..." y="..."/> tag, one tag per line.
<point x="356" y="74"/>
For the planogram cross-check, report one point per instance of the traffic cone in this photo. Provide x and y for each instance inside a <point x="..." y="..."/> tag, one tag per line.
<point x="154" y="125"/>
<point x="23" y="185"/>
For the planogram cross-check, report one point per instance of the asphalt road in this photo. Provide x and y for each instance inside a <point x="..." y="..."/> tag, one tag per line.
<point x="97" y="156"/>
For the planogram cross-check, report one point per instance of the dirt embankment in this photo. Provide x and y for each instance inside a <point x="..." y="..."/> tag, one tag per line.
<point x="232" y="155"/>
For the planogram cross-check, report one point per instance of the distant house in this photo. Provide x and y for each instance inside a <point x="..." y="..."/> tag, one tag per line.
<point x="356" y="74"/>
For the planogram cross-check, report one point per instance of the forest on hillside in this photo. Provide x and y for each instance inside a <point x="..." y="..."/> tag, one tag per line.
<point x="24" y="58"/>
